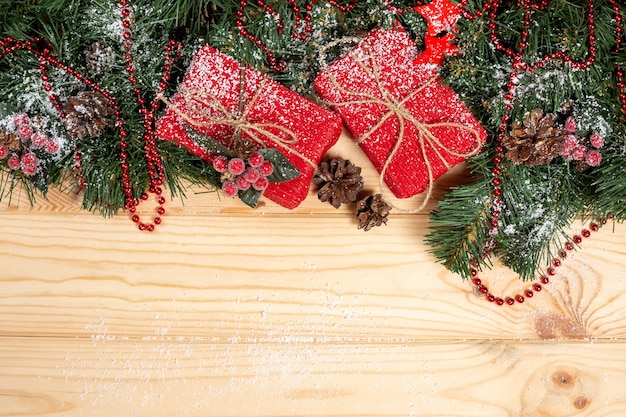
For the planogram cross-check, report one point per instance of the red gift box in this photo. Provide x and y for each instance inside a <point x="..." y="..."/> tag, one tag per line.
<point x="411" y="126"/>
<point x="300" y="129"/>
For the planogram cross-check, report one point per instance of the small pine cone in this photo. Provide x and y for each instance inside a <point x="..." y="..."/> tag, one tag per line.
<point x="338" y="181"/>
<point x="537" y="141"/>
<point x="243" y="147"/>
<point x="99" y="58"/>
<point x="372" y="211"/>
<point x="10" y="141"/>
<point x="581" y="166"/>
<point x="87" y="114"/>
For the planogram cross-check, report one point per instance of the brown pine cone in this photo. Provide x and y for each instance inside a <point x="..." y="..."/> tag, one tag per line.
<point x="372" y="211"/>
<point x="99" y="58"/>
<point x="10" y="141"/>
<point x="338" y="181"/>
<point x="87" y="114"/>
<point x="243" y="147"/>
<point x="537" y="141"/>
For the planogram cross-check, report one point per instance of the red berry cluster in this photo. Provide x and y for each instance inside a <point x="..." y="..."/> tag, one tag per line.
<point x="32" y="138"/>
<point x="577" y="148"/>
<point x="239" y="175"/>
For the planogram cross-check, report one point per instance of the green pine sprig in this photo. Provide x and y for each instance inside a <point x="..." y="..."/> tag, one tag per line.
<point x="539" y="203"/>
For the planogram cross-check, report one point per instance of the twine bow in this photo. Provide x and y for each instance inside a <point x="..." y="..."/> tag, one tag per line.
<point x="197" y="100"/>
<point x="396" y="108"/>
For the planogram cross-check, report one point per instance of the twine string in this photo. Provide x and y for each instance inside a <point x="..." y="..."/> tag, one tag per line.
<point x="197" y="100"/>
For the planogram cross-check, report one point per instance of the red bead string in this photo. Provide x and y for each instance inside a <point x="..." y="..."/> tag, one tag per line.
<point x="42" y="50"/>
<point x="301" y="31"/>
<point x="274" y="63"/>
<point x="156" y="173"/>
<point x="154" y="164"/>
<point x="618" y="43"/>
<point x="490" y="9"/>
<point x="535" y="287"/>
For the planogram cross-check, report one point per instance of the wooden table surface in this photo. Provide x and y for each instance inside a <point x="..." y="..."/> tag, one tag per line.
<point x="229" y="311"/>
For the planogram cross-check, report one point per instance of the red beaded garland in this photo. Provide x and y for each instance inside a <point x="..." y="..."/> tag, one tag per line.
<point x="152" y="157"/>
<point x="535" y="287"/>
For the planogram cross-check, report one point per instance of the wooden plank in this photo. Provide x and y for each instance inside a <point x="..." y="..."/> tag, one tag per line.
<point x="295" y="376"/>
<point x="229" y="311"/>
<point x="241" y="276"/>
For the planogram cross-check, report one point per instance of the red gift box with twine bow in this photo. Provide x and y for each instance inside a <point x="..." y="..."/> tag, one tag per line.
<point x="411" y="126"/>
<point x="209" y="101"/>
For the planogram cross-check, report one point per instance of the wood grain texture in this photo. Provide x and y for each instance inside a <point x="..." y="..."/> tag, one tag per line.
<point x="298" y="377"/>
<point x="228" y="311"/>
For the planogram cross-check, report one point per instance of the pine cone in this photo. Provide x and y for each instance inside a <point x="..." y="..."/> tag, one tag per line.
<point x="372" y="211"/>
<point x="537" y="141"/>
<point x="243" y="147"/>
<point x="99" y="58"/>
<point x="10" y="141"/>
<point x="87" y="113"/>
<point x="338" y="181"/>
<point x="581" y="166"/>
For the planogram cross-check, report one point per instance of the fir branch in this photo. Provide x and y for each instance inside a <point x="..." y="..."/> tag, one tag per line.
<point x="610" y="182"/>
<point x="539" y="203"/>
<point x="185" y="170"/>
<point x="459" y="225"/>
<point x="459" y="228"/>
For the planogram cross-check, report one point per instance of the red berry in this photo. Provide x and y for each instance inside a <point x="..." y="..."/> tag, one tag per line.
<point x="597" y="141"/>
<point x="39" y="140"/>
<point x="230" y="189"/>
<point x="242" y="183"/>
<point x="24" y="132"/>
<point x="220" y="163"/>
<point x="266" y="169"/>
<point x="28" y="163"/>
<point x="579" y="153"/>
<point x="29" y="170"/>
<point x="251" y="175"/>
<point x="255" y="160"/>
<point x="260" y="184"/>
<point x="4" y="152"/>
<point x="569" y="145"/>
<point x="593" y="158"/>
<point x="236" y="166"/>
<point x="20" y="119"/>
<point x="51" y="146"/>
<point x="14" y="162"/>
<point x="570" y="124"/>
